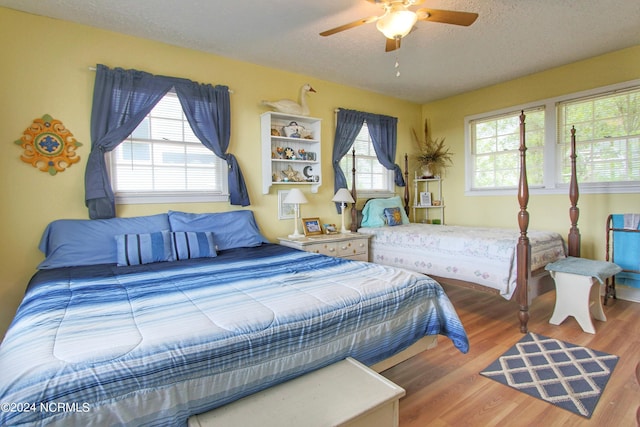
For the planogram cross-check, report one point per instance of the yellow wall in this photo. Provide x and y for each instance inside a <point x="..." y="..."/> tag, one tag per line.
<point x="45" y="71"/>
<point x="551" y="212"/>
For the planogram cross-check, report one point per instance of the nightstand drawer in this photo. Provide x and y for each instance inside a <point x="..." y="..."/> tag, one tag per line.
<point x="325" y="248"/>
<point x="353" y="247"/>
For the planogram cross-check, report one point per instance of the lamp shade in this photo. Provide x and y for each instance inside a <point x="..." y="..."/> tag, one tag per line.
<point x="397" y="23"/>
<point x="343" y="196"/>
<point x="295" y="197"/>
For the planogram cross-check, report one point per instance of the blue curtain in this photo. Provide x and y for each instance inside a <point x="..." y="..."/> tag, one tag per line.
<point x="123" y="98"/>
<point x="383" y="131"/>
<point x="207" y="109"/>
<point x="348" y="125"/>
<point x="384" y="137"/>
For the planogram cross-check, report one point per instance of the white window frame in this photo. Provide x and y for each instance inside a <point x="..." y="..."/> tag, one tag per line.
<point x="551" y="183"/>
<point x="144" y="197"/>
<point x="513" y="150"/>
<point x="367" y="192"/>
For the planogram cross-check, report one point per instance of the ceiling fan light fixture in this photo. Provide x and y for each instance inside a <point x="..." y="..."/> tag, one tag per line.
<point x="397" y="23"/>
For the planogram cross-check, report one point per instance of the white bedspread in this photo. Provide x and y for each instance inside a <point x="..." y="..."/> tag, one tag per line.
<point x="486" y="256"/>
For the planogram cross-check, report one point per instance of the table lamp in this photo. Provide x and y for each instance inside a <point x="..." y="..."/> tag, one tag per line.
<point x="343" y="196"/>
<point x="296" y="198"/>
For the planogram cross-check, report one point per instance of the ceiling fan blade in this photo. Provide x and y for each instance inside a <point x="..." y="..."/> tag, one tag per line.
<point x="447" y="16"/>
<point x="349" y="25"/>
<point x="392" y="44"/>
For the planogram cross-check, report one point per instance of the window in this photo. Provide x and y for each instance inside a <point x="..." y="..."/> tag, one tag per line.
<point x="608" y="148"/>
<point x="607" y="122"/>
<point x="495" y="149"/>
<point x="371" y="176"/>
<point x="163" y="161"/>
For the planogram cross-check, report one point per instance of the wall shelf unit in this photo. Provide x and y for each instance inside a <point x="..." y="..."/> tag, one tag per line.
<point x="291" y="151"/>
<point x="428" y="206"/>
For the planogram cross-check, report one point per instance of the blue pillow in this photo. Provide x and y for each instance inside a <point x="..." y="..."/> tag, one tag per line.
<point x="136" y="249"/>
<point x="373" y="212"/>
<point x="72" y="242"/>
<point x="192" y="244"/>
<point x="235" y="229"/>
<point x="393" y="216"/>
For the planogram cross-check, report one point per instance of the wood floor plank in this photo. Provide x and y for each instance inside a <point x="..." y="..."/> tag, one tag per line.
<point x="444" y="387"/>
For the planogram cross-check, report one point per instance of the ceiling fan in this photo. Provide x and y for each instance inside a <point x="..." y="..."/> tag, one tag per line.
<point x="398" y="20"/>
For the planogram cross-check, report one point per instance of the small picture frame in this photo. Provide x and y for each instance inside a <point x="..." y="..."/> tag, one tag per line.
<point x="425" y="198"/>
<point x="330" y="229"/>
<point x="311" y="156"/>
<point x="311" y="226"/>
<point x="285" y="210"/>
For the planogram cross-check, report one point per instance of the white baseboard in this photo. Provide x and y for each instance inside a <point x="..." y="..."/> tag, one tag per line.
<point x="626" y="293"/>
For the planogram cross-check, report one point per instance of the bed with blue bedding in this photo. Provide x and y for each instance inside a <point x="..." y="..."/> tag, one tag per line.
<point x="155" y="342"/>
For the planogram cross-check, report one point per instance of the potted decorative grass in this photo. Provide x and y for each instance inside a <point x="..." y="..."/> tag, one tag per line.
<point x="433" y="157"/>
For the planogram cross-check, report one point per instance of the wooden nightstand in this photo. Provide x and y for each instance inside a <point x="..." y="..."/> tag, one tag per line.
<point x="351" y="246"/>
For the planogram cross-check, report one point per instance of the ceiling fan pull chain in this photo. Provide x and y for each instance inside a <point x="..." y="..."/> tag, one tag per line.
<point x="397" y="40"/>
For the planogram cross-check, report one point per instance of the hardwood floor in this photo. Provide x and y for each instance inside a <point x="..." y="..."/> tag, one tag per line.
<point x="444" y="387"/>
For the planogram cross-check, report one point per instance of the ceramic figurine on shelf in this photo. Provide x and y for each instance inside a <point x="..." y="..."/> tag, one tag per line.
<point x="289" y="106"/>
<point x="291" y="175"/>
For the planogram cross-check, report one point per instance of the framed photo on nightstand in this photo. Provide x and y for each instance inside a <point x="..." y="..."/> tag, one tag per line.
<point x="330" y="229"/>
<point x="311" y="226"/>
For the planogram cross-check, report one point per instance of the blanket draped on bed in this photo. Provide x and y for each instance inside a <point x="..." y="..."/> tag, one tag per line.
<point x="482" y="255"/>
<point x="156" y="343"/>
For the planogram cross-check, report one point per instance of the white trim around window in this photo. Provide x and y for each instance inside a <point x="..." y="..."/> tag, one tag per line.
<point x="551" y="184"/>
<point x="162" y="161"/>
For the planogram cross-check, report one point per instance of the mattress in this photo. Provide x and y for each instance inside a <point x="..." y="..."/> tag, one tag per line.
<point x="482" y="255"/>
<point x="154" y="344"/>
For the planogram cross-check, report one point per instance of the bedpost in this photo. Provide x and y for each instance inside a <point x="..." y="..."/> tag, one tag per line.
<point x="523" y="248"/>
<point x="354" y="194"/>
<point x="406" y="184"/>
<point x="574" y="212"/>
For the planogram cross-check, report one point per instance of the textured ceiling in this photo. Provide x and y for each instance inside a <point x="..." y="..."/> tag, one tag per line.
<point x="510" y="39"/>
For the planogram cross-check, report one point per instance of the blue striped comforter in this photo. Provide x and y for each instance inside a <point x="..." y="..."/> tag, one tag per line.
<point x="154" y="344"/>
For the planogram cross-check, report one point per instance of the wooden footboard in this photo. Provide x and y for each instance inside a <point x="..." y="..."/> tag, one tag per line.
<point x="538" y="283"/>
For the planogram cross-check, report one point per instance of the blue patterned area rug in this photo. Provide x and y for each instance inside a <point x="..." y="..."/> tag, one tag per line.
<point x="557" y="372"/>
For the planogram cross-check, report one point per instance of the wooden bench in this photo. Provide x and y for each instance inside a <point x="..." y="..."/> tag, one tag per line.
<point x="346" y="393"/>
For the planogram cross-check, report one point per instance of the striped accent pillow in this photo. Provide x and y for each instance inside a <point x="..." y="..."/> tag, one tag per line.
<point x="135" y="249"/>
<point x="193" y="244"/>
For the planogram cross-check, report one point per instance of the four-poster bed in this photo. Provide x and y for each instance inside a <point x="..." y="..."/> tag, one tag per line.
<point x="507" y="262"/>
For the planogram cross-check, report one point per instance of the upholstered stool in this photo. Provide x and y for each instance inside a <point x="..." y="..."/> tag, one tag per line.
<point x="578" y="290"/>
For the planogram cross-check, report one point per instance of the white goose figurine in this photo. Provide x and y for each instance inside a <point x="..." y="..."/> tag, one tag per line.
<point x="289" y="106"/>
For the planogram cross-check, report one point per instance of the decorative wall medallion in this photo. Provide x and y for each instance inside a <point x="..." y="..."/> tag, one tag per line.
<point x="48" y="145"/>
